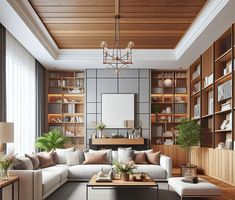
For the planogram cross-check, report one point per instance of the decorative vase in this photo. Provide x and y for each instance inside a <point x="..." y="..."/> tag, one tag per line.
<point x="124" y="176"/>
<point x="99" y="134"/>
<point x="5" y="174"/>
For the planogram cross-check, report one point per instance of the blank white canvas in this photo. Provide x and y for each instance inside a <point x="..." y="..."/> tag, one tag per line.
<point x="116" y="108"/>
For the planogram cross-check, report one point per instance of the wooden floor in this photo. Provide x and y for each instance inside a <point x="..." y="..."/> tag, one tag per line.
<point x="228" y="191"/>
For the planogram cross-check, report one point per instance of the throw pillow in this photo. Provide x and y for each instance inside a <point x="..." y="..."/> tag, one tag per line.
<point x="95" y="158"/>
<point x="46" y="159"/>
<point x="34" y="159"/>
<point x="60" y="154"/>
<point x="140" y="158"/>
<point x="125" y="155"/>
<point x="73" y="158"/>
<point x="22" y="163"/>
<point x="109" y="154"/>
<point x="154" y="158"/>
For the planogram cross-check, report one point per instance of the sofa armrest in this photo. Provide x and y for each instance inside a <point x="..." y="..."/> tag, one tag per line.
<point x="166" y="163"/>
<point x="30" y="184"/>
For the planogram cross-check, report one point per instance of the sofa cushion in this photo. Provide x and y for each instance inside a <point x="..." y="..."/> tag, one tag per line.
<point x="95" y="158"/>
<point x="46" y="159"/>
<point x="61" y="169"/>
<point x="154" y="171"/>
<point x="140" y="158"/>
<point x="108" y="154"/>
<point x="153" y="158"/>
<point x="34" y="159"/>
<point x="49" y="180"/>
<point x="74" y="158"/>
<point x="114" y="155"/>
<point x="125" y="155"/>
<point x="22" y="163"/>
<point x="85" y="172"/>
<point x="60" y="154"/>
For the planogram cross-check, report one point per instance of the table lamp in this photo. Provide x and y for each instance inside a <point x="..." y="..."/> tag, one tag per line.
<point x="6" y="133"/>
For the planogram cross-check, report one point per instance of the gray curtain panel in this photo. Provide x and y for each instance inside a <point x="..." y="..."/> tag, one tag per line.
<point x="40" y="98"/>
<point x="2" y="73"/>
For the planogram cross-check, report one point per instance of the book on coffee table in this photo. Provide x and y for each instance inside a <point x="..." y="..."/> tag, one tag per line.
<point x="104" y="177"/>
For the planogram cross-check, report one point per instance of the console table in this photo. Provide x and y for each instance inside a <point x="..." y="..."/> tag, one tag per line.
<point x="11" y="181"/>
<point x="114" y="143"/>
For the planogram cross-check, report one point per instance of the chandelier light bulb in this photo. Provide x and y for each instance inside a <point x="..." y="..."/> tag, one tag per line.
<point x="131" y="44"/>
<point x="103" y="44"/>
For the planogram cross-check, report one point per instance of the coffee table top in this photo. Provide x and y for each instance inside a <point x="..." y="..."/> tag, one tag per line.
<point x="117" y="182"/>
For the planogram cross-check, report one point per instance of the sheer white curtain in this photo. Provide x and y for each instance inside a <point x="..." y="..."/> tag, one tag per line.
<point x="21" y="95"/>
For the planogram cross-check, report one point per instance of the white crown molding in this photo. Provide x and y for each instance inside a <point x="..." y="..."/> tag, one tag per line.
<point x="204" y="18"/>
<point x="43" y="47"/>
<point x="31" y="19"/>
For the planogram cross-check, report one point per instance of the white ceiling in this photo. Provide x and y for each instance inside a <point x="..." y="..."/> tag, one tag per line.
<point x="22" y="22"/>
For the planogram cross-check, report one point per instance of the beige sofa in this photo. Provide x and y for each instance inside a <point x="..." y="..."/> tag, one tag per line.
<point x="39" y="184"/>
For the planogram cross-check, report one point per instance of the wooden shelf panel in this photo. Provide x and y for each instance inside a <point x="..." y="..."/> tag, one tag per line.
<point x="225" y="56"/>
<point x="117" y="141"/>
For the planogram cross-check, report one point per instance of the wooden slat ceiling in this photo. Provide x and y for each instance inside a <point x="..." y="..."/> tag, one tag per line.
<point x="83" y="24"/>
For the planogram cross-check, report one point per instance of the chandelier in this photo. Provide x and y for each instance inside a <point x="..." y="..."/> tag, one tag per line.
<point x="117" y="58"/>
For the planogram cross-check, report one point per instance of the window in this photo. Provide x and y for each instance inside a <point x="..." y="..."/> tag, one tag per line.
<point x="21" y="95"/>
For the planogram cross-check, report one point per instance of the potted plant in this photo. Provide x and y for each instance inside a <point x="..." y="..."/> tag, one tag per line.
<point x="100" y="128"/>
<point x="189" y="135"/>
<point x="51" y="140"/>
<point x="124" y="169"/>
<point x="6" y="160"/>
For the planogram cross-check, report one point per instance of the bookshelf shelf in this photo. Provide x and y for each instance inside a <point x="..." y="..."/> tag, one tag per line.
<point x="172" y="103"/>
<point x="66" y="104"/>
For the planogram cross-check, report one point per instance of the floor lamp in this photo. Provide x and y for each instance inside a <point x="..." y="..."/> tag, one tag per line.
<point x="6" y="134"/>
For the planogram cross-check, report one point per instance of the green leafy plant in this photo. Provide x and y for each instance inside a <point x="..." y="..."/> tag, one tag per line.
<point x="51" y="140"/>
<point x="156" y="108"/>
<point x="189" y="135"/>
<point x="126" y="168"/>
<point x="100" y="126"/>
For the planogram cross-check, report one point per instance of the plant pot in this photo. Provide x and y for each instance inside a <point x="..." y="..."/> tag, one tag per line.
<point x="186" y="167"/>
<point x="124" y="176"/>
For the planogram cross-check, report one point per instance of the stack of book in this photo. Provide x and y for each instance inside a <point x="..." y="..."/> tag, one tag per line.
<point x="104" y="177"/>
<point x="197" y="72"/>
<point x="226" y="106"/>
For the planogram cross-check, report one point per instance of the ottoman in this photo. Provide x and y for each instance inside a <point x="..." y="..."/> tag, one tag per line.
<point x="201" y="189"/>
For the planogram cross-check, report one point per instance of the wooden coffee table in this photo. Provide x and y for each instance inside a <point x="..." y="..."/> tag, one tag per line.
<point x="119" y="184"/>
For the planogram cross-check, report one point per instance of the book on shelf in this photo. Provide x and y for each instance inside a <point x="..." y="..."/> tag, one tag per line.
<point x="225" y="91"/>
<point x="197" y="72"/>
<point x="208" y="80"/>
<point x="210" y="103"/>
<point x="226" y="106"/>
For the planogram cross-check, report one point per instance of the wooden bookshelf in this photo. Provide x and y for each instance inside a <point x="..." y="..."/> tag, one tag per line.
<point x="172" y="103"/>
<point x="215" y="93"/>
<point x="66" y="105"/>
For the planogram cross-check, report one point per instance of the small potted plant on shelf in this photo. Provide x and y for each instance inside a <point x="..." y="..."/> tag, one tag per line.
<point x="100" y="128"/>
<point x="51" y="140"/>
<point x="189" y="136"/>
<point x="124" y="169"/>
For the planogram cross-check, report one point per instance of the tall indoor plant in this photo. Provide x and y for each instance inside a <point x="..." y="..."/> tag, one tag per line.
<point x="51" y="140"/>
<point x="189" y="135"/>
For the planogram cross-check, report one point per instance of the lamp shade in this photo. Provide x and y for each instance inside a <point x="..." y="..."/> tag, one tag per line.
<point x="6" y="132"/>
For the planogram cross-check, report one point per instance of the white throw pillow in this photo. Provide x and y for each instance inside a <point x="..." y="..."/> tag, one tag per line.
<point x="73" y="158"/>
<point x="60" y="153"/>
<point x="125" y="155"/>
<point x="108" y="155"/>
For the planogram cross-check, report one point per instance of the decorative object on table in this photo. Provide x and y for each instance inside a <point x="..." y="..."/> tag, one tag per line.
<point x="142" y="178"/>
<point x="6" y="160"/>
<point x="104" y="177"/>
<point x="124" y="169"/>
<point x="6" y="133"/>
<point x="140" y="132"/>
<point x="195" y="179"/>
<point x="100" y="128"/>
<point x="189" y="135"/>
<point x="168" y="82"/>
<point x="51" y="140"/>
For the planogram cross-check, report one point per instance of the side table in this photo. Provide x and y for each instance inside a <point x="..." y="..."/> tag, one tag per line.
<point x="11" y="181"/>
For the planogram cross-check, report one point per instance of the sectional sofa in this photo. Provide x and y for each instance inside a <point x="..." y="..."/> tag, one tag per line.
<point x="39" y="184"/>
